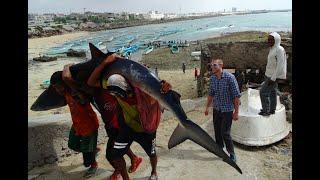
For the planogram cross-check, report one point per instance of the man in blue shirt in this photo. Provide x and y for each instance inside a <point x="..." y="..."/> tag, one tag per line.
<point x="224" y="94"/>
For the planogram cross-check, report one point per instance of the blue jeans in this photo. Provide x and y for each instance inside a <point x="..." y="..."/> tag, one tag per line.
<point x="268" y="95"/>
<point x="222" y="126"/>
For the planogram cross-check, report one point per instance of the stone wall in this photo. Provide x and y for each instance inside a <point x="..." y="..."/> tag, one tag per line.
<point x="48" y="139"/>
<point x="239" y="55"/>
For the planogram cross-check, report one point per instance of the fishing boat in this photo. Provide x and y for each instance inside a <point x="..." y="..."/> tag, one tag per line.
<point x="174" y="49"/>
<point x="196" y="55"/>
<point x="148" y="50"/>
<point x="74" y="53"/>
<point x="45" y="84"/>
<point x="45" y="58"/>
<point x="127" y="51"/>
<point x="109" y="39"/>
<point x="252" y="129"/>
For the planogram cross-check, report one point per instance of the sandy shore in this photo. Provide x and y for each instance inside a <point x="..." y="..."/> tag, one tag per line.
<point x="40" y="45"/>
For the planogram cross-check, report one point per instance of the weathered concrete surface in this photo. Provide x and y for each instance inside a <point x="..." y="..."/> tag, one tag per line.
<point x="48" y="139"/>
<point x="48" y="135"/>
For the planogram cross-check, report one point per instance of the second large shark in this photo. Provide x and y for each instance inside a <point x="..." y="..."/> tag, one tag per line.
<point x="139" y="76"/>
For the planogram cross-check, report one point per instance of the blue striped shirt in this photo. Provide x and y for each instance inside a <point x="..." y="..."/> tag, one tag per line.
<point x="223" y="91"/>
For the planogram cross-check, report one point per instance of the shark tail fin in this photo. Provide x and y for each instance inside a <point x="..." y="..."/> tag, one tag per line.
<point x="189" y="130"/>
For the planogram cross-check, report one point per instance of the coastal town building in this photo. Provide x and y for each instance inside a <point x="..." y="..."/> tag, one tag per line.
<point x="170" y="16"/>
<point x="152" y="15"/>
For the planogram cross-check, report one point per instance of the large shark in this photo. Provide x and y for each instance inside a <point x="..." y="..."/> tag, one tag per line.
<point x="138" y="75"/>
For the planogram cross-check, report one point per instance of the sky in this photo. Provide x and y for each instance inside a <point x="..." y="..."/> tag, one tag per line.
<point x="143" y="6"/>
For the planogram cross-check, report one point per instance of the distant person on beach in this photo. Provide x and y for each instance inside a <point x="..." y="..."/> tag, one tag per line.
<point x="225" y="95"/>
<point x="276" y="69"/>
<point x="107" y="106"/>
<point x="84" y="130"/>
<point x="183" y="67"/>
<point x="195" y="73"/>
<point x="139" y="117"/>
<point x="156" y="72"/>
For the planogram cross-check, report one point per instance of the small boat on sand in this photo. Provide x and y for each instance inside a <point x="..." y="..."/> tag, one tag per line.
<point x="174" y="49"/>
<point x="74" y="53"/>
<point x="45" y="58"/>
<point x="148" y="50"/>
<point x="252" y="129"/>
<point x="45" y="84"/>
<point x="109" y="39"/>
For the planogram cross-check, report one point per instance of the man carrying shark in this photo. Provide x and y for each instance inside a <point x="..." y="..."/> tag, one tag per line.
<point x="136" y="107"/>
<point x="107" y="105"/>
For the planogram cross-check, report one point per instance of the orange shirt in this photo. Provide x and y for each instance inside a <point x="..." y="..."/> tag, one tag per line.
<point x="85" y="120"/>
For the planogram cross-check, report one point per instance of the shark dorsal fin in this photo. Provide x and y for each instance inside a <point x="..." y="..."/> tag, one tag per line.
<point x="95" y="52"/>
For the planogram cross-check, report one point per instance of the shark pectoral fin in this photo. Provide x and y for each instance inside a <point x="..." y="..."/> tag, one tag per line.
<point x="178" y="136"/>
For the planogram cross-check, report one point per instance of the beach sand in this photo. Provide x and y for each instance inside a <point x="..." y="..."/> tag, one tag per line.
<point x="40" y="45"/>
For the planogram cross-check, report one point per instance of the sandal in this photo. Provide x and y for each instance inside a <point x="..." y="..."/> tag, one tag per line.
<point x="153" y="177"/>
<point x="115" y="176"/>
<point x="90" y="172"/>
<point x="134" y="166"/>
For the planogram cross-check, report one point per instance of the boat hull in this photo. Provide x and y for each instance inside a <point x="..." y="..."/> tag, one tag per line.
<point x="255" y="130"/>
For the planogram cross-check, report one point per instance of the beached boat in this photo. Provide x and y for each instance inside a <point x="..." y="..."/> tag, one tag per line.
<point x="127" y="51"/>
<point x="183" y="44"/>
<point x="174" y="49"/>
<point x="148" y="50"/>
<point x="109" y="39"/>
<point x="74" y="53"/>
<point x="196" y="55"/>
<point x="45" y="58"/>
<point x="45" y="84"/>
<point x="253" y="129"/>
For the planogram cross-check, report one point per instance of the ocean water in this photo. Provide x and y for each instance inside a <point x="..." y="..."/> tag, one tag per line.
<point x="190" y="30"/>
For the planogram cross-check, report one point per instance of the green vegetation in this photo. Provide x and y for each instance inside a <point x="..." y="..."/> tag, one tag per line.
<point x="38" y="28"/>
<point x="60" y="20"/>
<point x="96" y="19"/>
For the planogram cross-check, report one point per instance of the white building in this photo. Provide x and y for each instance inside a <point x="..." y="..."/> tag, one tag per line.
<point x="234" y="9"/>
<point x="170" y="16"/>
<point x="154" y="15"/>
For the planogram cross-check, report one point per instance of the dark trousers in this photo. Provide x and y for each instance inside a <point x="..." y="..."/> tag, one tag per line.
<point x="85" y="144"/>
<point x="222" y="126"/>
<point x="268" y="96"/>
<point x="88" y="158"/>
